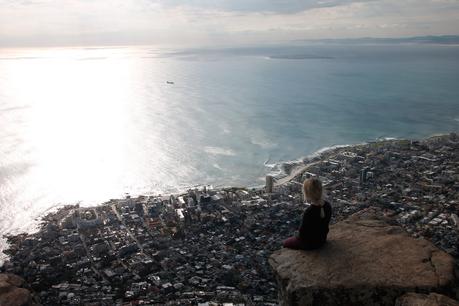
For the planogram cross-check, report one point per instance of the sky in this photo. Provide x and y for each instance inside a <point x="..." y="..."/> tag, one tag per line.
<point x="217" y="22"/>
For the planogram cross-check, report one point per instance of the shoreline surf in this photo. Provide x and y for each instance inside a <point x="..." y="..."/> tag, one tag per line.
<point x="288" y="170"/>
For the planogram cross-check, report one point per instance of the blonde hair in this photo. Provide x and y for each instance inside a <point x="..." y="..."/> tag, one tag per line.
<point x="312" y="189"/>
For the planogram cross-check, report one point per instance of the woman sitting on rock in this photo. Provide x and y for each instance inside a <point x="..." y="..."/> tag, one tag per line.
<point x="314" y="226"/>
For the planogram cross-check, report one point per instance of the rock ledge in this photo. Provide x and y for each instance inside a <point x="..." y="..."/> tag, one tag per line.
<point x="418" y="299"/>
<point x="10" y="292"/>
<point x="366" y="262"/>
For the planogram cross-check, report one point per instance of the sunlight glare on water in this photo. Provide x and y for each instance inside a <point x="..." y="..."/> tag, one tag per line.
<point x="73" y="129"/>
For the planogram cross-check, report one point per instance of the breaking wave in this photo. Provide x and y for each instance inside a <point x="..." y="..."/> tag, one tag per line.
<point x="219" y="151"/>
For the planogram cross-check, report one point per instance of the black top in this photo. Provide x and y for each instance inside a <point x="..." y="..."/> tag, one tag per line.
<point x="314" y="229"/>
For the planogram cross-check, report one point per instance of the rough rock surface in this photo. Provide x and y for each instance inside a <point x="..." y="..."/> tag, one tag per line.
<point x="418" y="299"/>
<point x="11" y="294"/>
<point x="366" y="261"/>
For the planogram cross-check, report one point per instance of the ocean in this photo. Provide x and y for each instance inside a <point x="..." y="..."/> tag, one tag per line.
<point x="83" y="125"/>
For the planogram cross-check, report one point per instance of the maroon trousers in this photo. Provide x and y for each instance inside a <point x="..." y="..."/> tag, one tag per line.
<point x="297" y="244"/>
<point x="293" y="243"/>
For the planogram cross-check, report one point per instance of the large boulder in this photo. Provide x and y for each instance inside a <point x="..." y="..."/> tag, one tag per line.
<point x="10" y="292"/>
<point x="366" y="261"/>
<point x="418" y="299"/>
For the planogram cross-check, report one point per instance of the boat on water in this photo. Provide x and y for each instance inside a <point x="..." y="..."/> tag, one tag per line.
<point x="169" y="82"/>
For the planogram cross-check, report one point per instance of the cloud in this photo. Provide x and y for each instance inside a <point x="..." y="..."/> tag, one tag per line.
<point x="280" y="6"/>
<point x="213" y="22"/>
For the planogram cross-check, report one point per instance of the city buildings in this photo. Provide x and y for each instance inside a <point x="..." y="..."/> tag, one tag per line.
<point x="211" y="246"/>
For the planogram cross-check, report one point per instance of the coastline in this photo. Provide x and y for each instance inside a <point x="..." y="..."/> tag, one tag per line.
<point x="289" y="170"/>
<point x="302" y="164"/>
<point x="215" y="234"/>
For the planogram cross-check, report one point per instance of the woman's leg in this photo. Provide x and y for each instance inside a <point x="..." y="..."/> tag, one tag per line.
<point x="293" y="243"/>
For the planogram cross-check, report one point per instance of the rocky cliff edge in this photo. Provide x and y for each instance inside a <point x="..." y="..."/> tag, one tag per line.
<point x="366" y="261"/>
<point x="11" y="293"/>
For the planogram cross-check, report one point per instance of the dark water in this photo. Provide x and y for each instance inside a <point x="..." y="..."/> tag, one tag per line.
<point x="91" y="124"/>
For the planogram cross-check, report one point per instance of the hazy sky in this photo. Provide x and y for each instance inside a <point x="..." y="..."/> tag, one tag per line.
<point x="207" y="22"/>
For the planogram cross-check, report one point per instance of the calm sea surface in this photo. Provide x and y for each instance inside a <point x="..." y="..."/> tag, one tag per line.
<point x="92" y="124"/>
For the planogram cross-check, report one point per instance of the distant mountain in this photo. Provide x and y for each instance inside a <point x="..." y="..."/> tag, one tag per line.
<point x="443" y="40"/>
